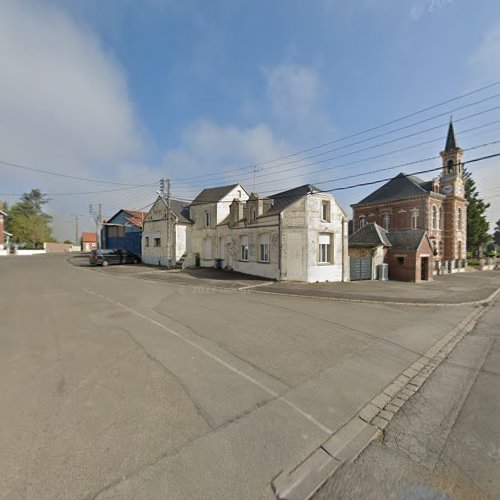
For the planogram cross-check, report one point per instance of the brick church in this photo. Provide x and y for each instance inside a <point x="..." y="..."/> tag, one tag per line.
<point x="407" y="203"/>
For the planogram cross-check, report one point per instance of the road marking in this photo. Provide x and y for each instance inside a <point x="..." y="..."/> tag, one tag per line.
<point x="230" y="367"/>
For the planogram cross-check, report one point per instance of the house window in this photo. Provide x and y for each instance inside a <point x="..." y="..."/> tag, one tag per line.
<point x="147" y="241"/>
<point x="254" y="215"/>
<point x="325" y="249"/>
<point x="157" y="242"/>
<point x="401" y="260"/>
<point x="440" y="218"/>
<point x="386" y="221"/>
<point x="362" y="221"/>
<point x="207" y="219"/>
<point x="414" y="219"/>
<point x="239" y="193"/>
<point x="264" y="248"/>
<point x="459" y="219"/>
<point x="244" y="248"/>
<point x="325" y="211"/>
<point x="435" y="223"/>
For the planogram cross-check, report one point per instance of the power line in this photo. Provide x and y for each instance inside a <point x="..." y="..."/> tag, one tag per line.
<point x="397" y="139"/>
<point x="57" y="174"/>
<point x="434" y="169"/>
<point x="357" y="134"/>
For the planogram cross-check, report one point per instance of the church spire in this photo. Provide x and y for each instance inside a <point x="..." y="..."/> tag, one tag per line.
<point x="451" y="143"/>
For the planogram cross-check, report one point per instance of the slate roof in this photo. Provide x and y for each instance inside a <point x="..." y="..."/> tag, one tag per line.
<point x="179" y="208"/>
<point x="283" y="200"/>
<point x="406" y="241"/>
<point x="213" y="195"/>
<point x="398" y="188"/>
<point x="451" y="143"/>
<point x="370" y="235"/>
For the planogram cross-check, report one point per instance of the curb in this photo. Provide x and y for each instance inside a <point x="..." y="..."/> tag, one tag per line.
<point x="481" y="302"/>
<point x="303" y="481"/>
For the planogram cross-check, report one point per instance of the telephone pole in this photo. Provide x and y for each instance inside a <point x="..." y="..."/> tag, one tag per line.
<point x="76" y="218"/>
<point x="169" y="224"/>
<point x="96" y="216"/>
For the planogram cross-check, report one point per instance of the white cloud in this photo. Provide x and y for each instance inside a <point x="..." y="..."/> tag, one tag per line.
<point x="64" y="100"/>
<point x="484" y="69"/>
<point x="207" y="147"/>
<point x="484" y="62"/>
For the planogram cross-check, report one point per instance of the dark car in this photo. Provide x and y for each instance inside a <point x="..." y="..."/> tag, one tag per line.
<point x="112" y="256"/>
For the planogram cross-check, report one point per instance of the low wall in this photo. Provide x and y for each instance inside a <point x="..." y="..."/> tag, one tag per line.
<point x="30" y="252"/>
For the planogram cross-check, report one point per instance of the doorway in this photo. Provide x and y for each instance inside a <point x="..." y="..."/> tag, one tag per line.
<point x="424" y="269"/>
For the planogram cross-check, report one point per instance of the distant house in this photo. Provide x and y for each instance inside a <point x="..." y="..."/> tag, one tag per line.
<point x="4" y="235"/>
<point x="408" y="253"/>
<point x="89" y="241"/>
<point x="124" y="231"/>
<point x="155" y="234"/>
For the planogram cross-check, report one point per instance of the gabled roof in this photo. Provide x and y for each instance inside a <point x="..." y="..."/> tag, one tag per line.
<point x="213" y="195"/>
<point x="283" y="200"/>
<point x="179" y="208"/>
<point x="134" y="217"/>
<point x="89" y="237"/>
<point x="370" y="235"/>
<point x="406" y="241"/>
<point x="398" y="188"/>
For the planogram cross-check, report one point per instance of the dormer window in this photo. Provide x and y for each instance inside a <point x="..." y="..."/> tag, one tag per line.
<point x="207" y="219"/>
<point x="325" y="211"/>
<point x="362" y="221"/>
<point x="254" y="215"/>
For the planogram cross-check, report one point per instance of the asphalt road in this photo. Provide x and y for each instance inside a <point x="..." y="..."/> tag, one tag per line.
<point x="445" y="441"/>
<point x="115" y="387"/>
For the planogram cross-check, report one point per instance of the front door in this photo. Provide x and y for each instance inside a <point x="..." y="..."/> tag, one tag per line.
<point x="424" y="268"/>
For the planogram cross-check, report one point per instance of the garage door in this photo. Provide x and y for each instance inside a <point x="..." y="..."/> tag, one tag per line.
<point x="361" y="269"/>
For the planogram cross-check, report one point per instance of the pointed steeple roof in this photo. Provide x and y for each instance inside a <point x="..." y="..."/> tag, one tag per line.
<point x="451" y="143"/>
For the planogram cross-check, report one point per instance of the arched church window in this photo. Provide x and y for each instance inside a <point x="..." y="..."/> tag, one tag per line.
<point x="450" y="166"/>
<point x="435" y="223"/>
<point x="459" y="219"/>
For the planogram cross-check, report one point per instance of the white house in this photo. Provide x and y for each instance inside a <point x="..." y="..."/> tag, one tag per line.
<point x="155" y="234"/>
<point x="300" y="234"/>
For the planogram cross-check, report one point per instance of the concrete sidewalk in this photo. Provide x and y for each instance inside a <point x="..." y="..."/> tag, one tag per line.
<point x="451" y="289"/>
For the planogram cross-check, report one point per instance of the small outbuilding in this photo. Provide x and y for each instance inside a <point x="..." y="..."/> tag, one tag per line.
<point x="124" y="231"/>
<point x="408" y="253"/>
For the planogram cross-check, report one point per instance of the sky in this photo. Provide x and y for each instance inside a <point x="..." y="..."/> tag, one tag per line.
<point x="270" y="93"/>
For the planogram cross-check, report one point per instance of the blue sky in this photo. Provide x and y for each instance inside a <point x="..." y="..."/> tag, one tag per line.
<point x="131" y="91"/>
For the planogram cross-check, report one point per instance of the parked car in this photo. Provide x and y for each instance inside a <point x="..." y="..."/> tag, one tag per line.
<point x="112" y="256"/>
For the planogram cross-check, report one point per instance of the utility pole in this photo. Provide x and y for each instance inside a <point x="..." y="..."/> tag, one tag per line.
<point x="169" y="225"/>
<point x="76" y="218"/>
<point x="96" y="216"/>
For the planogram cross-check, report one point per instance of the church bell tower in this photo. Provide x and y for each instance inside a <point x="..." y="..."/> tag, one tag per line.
<point x="452" y="182"/>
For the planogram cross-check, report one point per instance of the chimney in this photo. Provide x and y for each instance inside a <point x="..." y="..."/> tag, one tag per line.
<point x="236" y="211"/>
<point x="255" y="206"/>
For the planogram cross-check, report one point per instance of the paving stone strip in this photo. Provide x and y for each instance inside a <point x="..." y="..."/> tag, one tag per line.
<point x="302" y="482"/>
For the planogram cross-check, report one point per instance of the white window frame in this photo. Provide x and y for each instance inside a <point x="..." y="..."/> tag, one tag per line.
<point x="386" y="221"/>
<point x="325" y="250"/>
<point x="264" y="248"/>
<point x="434" y="217"/>
<point x="414" y="219"/>
<point x="362" y="221"/>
